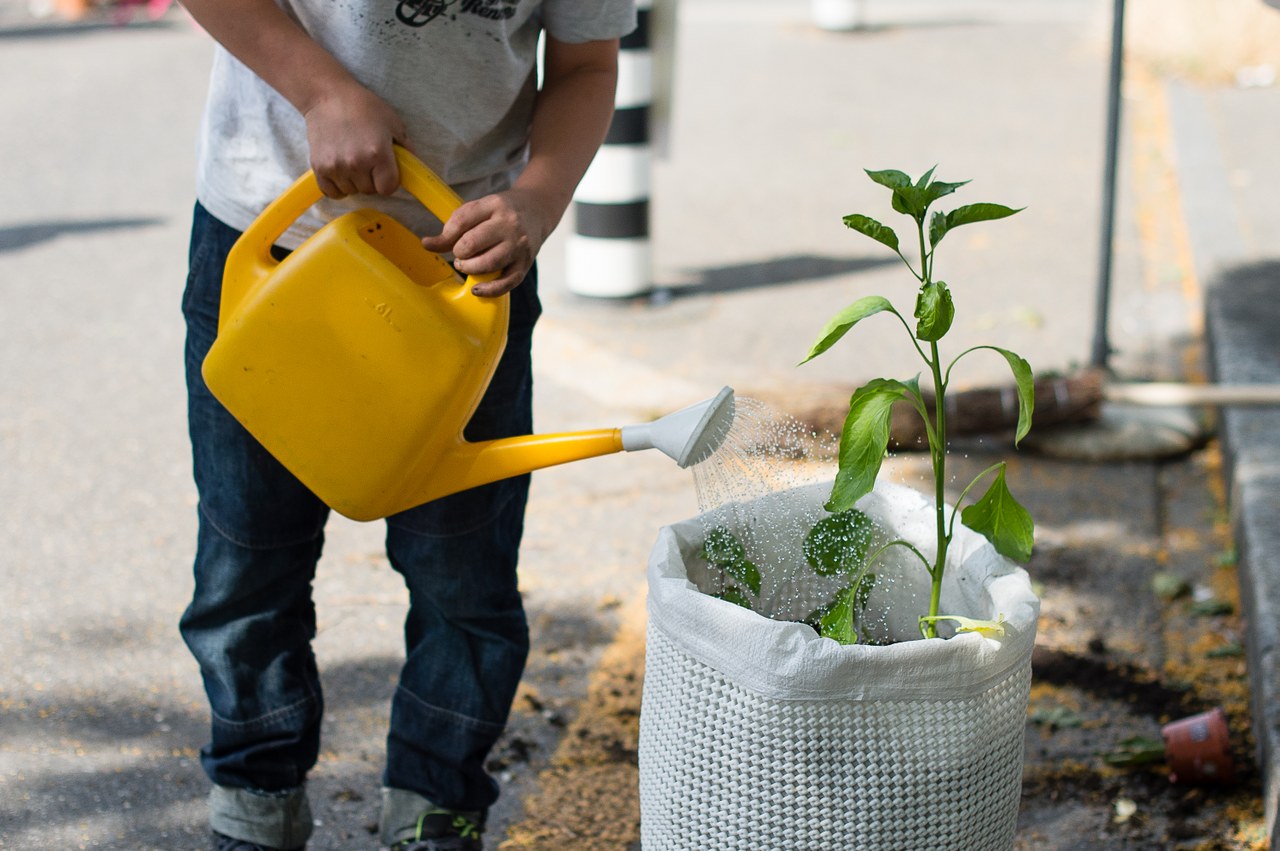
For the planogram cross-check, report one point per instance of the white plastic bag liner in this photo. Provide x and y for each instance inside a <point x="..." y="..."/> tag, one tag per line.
<point x="758" y="734"/>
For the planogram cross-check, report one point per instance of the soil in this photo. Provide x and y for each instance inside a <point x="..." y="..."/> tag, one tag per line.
<point x="587" y="797"/>
<point x="1163" y="644"/>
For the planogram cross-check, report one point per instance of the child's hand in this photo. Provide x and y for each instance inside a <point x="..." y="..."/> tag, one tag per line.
<point x="497" y="233"/>
<point x="350" y="131"/>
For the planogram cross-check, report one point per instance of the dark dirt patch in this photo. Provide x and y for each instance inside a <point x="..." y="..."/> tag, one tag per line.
<point x="1103" y="678"/>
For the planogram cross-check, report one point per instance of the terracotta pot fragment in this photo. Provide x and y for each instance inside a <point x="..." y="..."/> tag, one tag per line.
<point x="1198" y="748"/>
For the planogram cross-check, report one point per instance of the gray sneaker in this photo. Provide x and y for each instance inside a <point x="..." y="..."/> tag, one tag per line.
<point x="444" y="830"/>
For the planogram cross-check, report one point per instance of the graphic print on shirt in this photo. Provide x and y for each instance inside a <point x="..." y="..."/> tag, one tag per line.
<point x="419" y="13"/>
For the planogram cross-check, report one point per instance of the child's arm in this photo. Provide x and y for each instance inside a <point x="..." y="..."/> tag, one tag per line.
<point x="505" y="231"/>
<point x="350" y="130"/>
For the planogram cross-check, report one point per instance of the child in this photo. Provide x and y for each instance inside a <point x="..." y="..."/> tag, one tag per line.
<point x="331" y="85"/>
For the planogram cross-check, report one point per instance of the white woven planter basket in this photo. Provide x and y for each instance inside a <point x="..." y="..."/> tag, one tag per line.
<point x="756" y="734"/>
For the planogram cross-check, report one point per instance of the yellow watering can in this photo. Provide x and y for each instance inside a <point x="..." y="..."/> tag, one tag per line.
<point x="358" y="360"/>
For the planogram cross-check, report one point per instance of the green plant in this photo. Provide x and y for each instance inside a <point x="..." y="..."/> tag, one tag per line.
<point x="864" y="438"/>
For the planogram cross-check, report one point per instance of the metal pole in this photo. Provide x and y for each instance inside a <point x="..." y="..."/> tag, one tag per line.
<point x="1101" y="345"/>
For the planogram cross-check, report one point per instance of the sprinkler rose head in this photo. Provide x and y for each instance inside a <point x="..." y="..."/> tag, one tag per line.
<point x="711" y="429"/>
<point x="687" y="436"/>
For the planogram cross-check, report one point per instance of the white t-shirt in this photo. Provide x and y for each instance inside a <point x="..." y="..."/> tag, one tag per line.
<point x="460" y="73"/>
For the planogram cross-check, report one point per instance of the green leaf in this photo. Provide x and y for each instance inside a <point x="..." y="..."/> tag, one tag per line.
<point x="1000" y="519"/>
<point x="868" y="226"/>
<point x="935" y="190"/>
<point x="1230" y="650"/>
<point x="935" y="310"/>
<point x="916" y="199"/>
<point x="735" y="596"/>
<point x="1212" y="607"/>
<point x="942" y="223"/>
<point x="846" y="319"/>
<point x="838" y="619"/>
<point x="745" y="572"/>
<point x="1055" y="717"/>
<point x="906" y="196"/>
<point x="838" y="543"/>
<point x="722" y="549"/>
<point x="864" y="439"/>
<point x="938" y="228"/>
<point x="912" y="201"/>
<point x="836" y="624"/>
<point x="835" y="620"/>
<point x="1025" y="380"/>
<point x="889" y="178"/>
<point x="971" y="213"/>
<point x="941" y="189"/>
<point x="1136" y="751"/>
<point x="1170" y="586"/>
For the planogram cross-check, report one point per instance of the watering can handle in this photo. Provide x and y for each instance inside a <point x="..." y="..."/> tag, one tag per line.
<point x="415" y="176"/>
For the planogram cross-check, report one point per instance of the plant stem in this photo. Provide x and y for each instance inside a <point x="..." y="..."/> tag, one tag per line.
<point x="939" y="452"/>
<point x="926" y="273"/>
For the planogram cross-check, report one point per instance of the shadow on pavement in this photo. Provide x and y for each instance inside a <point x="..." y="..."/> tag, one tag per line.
<point x="60" y="29"/>
<point x="769" y="273"/>
<point x="24" y="236"/>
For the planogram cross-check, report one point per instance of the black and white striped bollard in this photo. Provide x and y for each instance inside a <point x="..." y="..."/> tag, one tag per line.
<point x="609" y="254"/>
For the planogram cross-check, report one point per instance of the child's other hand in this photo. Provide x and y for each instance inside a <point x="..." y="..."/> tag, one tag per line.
<point x="350" y="132"/>
<point x="497" y="233"/>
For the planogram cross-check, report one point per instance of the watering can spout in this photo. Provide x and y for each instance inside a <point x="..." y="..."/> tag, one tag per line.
<point x="687" y="436"/>
<point x="467" y="465"/>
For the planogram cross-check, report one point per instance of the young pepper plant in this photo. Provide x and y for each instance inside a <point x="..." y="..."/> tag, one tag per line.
<point x="865" y="437"/>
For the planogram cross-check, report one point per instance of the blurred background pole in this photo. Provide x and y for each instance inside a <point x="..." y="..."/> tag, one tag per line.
<point x="838" y="15"/>
<point x="609" y="253"/>
<point x="1101" y="344"/>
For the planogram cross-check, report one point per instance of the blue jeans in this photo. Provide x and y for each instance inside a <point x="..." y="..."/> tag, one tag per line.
<point x="252" y="619"/>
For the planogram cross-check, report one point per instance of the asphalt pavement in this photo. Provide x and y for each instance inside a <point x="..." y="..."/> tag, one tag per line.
<point x="772" y="122"/>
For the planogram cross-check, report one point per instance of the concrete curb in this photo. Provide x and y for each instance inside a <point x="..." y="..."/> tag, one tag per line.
<point x="1241" y="316"/>
<point x="1240" y="323"/>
